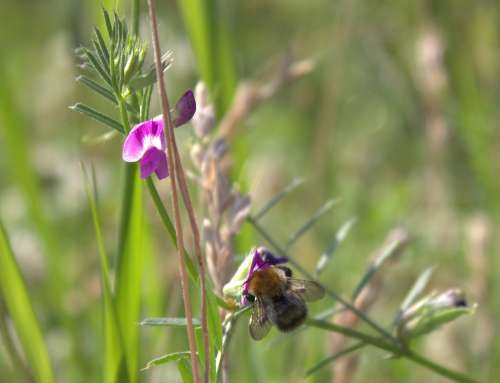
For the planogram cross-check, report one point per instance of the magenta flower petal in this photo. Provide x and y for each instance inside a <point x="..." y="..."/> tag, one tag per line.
<point x="143" y="136"/>
<point x="162" y="168"/>
<point x="185" y="108"/>
<point x="154" y="160"/>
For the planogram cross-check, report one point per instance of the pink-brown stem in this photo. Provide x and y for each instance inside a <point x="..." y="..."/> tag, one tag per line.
<point x="169" y="135"/>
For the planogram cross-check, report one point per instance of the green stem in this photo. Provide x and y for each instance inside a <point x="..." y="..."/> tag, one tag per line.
<point x="396" y="350"/>
<point x="439" y="369"/>
<point x="167" y="222"/>
<point x="127" y="187"/>
<point x="136" y="8"/>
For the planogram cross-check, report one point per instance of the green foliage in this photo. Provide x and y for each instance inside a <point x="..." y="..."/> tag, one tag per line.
<point x="14" y="293"/>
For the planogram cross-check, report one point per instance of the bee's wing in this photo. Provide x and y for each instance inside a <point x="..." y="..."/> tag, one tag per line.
<point x="259" y="324"/>
<point x="307" y="290"/>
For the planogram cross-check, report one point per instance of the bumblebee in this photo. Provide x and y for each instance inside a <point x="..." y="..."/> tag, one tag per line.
<point x="279" y="299"/>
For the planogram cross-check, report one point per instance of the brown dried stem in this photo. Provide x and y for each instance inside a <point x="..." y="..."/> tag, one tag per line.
<point x="170" y="138"/>
<point x="197" y="250"/>
<point x="250" y="93"/>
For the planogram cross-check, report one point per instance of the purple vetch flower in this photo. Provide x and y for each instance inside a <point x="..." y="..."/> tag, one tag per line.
<point x="262" y="259"/>
<point x="185" y="108"/>
<point x="146" y="141"/>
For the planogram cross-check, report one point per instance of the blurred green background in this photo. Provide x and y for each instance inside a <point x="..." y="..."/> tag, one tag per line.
<point x="399" y="120"/>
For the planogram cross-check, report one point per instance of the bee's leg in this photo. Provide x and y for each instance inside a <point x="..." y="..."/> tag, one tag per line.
<point x="286" y="270"/>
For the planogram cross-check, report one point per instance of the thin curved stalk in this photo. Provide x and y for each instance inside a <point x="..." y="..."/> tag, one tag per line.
<point x="169" y="134"/>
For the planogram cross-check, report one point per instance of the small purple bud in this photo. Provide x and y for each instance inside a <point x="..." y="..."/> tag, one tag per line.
<point x="185" y="108"/>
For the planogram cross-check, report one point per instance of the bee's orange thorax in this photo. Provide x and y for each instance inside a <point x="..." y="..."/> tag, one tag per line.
<point x="267" y="282"/>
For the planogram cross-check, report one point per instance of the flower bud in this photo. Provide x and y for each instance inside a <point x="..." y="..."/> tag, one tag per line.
<point x="432" y="312"/>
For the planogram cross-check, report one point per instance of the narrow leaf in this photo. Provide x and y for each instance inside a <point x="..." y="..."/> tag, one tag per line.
<point x="102" y="45"/>
<point x="310" y="222"/>
<point x="112" y="340"/>
<point x="392" y="249"/>
<point x="15" y="294"/>
<point x="129" y="270"/>
<point x="334" y="357"/>
<point x="185" y="370"/>
<point x="278" y="197"/>
<point x="419" y="286"/>
<point x="98" y="67"/>
<point x="102" y="118"/>
<point x="149" y="78"/>
<point x="170" y="322"/>
<point x="167" y="223"/>
<point x="97" y="88"/>
<point x="172" y="357"/>
<point x="107" y="20"/>
<point x="332" y="246"/>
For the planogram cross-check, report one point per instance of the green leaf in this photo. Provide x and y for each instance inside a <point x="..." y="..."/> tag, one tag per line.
<point x="208" y="31"/>
<point x="332" y="246"/>
<point x="167" y="223"/>
<point x="15" y="134"/>
<point x="392" y="249"/>
<point x="97" y="88"/>
<point x="129" y="268"/>
<point x="214" y="322"/>
<point x="98" y="67"/>
<point x="185" y="370"/>
<point x="102" y="46"/>
<point x="113" y="343"/>
<point x="325" y="208"/>
<point x="107" y="20"/>
<point x="102" y="118"/>
<point x="149" y="78"/>
<point x="169" y="322"/>
<point x="334" y="357"/>
<point x="172" y="357"/>
<point x="417" y="288"/>
<point x="275" y="199"/>
<point x="15" y="294"/>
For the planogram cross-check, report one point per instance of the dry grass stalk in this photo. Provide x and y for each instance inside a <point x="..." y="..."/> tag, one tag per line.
<point x="251" y="93"/>
<point x="171" y="153"/>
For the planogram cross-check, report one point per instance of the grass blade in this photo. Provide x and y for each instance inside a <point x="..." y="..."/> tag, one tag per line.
<point x="169" y="322"/>
<point x="15" y="295"/>
<point x="129" y="271"/>
<point x="209" y="38"/>
<point x="113" y="344"/>
<point x="172" y="357"/>
<point x="278" y="197"/>
<point x="334" y="357"/>
<point x="332" y="246"/>
<point x="185" y="371"/>
<point x="310" y="222"/>
<point x="15" y="135"/>
<point x="102" y="118"/>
